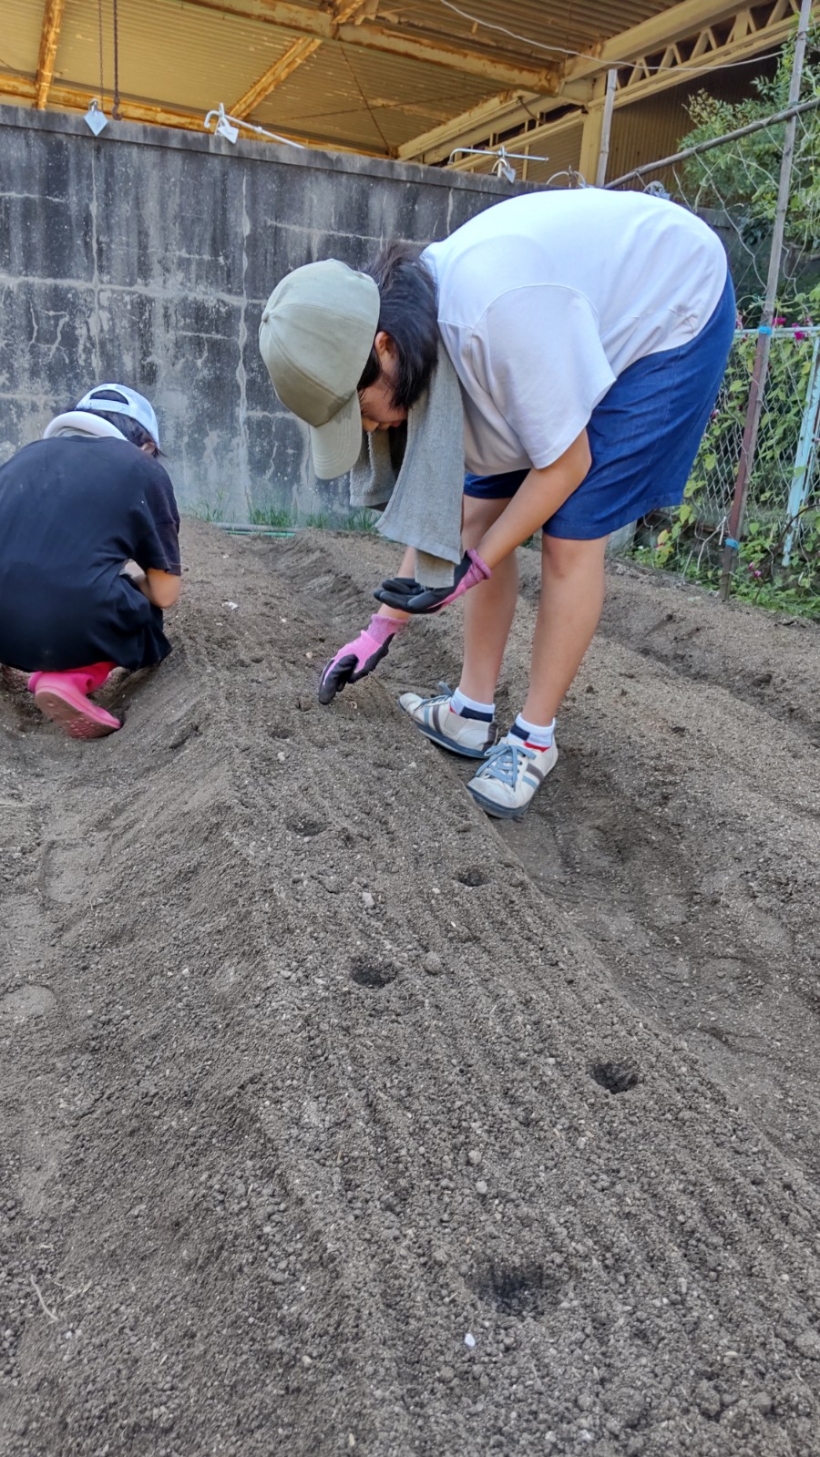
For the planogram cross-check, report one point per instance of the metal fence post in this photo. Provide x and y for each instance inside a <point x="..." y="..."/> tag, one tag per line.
<point x="806" y="449"/>
<point x="761" y="364"/>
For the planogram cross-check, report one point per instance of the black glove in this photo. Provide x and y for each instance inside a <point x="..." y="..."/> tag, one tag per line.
<point x="406" y="595"/>
<point x="401" y="585"/>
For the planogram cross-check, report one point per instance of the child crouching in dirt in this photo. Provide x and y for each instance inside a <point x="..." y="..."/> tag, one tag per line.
<point x="589" y="333"/>
<point x="89" y="557"/>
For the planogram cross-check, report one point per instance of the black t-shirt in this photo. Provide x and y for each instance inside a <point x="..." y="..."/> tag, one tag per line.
<point x="72" y="511"/>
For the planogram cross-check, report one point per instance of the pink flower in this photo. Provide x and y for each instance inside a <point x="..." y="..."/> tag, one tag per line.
<point x="800" y="334"/>
<point x="778" y="321"/>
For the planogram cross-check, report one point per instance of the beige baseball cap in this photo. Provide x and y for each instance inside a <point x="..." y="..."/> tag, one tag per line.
<point x="316" y="333"/>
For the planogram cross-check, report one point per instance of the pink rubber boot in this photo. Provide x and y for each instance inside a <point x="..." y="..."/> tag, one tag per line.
<point x="63" y="697"/>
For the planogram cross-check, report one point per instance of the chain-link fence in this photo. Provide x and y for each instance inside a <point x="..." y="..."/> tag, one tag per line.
<point x="751" y="515"/>
<point x="783" y="500"/>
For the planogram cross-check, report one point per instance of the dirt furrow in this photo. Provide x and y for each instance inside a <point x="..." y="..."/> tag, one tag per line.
<point x="334" y="1073"/>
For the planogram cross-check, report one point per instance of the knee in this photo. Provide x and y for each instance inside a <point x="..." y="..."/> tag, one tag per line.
<point x="477" y="517"/>
<point x="563" y="559"/>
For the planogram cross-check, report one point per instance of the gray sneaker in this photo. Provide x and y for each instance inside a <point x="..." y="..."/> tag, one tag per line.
<point x="470" y="737"/>
<point x="510" y="776"/>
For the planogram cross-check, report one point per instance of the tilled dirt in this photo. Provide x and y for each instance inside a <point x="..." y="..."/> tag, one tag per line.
<point x="308" y="1071"/>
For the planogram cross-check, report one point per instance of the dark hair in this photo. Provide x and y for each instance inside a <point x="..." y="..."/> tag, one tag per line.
<point x="409" y="314"/>
<point x="131" y="429"/>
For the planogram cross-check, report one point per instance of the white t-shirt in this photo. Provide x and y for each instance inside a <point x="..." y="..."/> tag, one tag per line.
<point x="545" y="299"/>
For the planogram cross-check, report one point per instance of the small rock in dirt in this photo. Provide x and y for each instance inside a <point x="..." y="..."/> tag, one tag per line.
<point x="481" y="1189"/>
<point x="708" y="1399"/>
<point x="447" y="1374"/>
<point x="474" y="1156"/>
<point x="808" y="1344"/>
<point x="432" y="964"/>
<point x="367" y="900"/>
<point x="469" y="1341"/>
<point x="439" y="1257"/>
<point x="762" y="1403"/>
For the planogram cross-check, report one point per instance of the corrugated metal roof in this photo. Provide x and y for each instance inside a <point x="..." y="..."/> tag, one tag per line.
<point x="186" y="56"/>
<point x="20" y="40"/>
<point x="168" y="51"/>
<point x="565" y="26"/>
<point x="383" y="100"/>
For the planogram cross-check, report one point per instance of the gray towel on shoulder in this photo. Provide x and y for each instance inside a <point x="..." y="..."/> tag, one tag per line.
<point x="416" y="477"/>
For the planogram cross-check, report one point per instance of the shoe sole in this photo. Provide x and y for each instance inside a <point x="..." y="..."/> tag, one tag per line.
<point x="72" y="720"/>
<point x="497" y="811"/>
<point x="443" y="743"/>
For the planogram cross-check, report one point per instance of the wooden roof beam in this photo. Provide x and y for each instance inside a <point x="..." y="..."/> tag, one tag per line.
<point x="669" y="27"/>
<point x="49" y="40"/>
<point x="489" y="64"/>
<point x="691" y="21"/>
<point x="475" y="122"/>
<point x="643" y="81"/>
<point x="295" y="56"/>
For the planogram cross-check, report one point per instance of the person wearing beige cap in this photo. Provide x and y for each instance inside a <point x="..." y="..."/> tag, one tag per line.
<point x="589" y="331"/>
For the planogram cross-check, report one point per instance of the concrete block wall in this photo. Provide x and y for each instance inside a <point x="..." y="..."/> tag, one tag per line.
<point x="146" y="256"/>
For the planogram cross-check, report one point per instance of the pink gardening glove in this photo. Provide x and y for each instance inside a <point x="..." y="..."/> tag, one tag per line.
<point x="359" y="657"/>
<point x="408" y="596"/>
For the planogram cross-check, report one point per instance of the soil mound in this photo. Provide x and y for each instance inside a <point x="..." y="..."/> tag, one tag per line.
<point x="337" y="1118"/>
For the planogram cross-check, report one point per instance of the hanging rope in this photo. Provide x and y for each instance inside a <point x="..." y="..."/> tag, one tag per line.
<point x="116" y="109"/>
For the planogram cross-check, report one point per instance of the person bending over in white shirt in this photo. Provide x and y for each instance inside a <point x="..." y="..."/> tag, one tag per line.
<point x="589" y="331"/>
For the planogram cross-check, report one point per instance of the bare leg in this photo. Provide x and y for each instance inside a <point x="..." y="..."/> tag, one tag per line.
<point x="572" y="595"/>
<point x="488" y="609"/>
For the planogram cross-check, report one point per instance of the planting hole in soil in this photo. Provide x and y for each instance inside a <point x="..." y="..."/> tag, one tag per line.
<point x="472" y="876"/>
<point x="306" y="828"/>
<point x="616" y="1077"/>
<point x="371" y="975"/>
<point x="517" y="1289"/>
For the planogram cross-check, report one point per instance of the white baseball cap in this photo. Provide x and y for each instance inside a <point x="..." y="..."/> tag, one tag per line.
<point x="316" y="334"/>
<point x="126" y="402"/>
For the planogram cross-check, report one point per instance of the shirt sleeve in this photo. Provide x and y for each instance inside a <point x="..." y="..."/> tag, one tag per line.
<point x="158" y="547"/>
<point x="537" y="352"/>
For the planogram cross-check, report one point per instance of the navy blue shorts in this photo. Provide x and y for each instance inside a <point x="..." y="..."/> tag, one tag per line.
<point x="643" y="436"/>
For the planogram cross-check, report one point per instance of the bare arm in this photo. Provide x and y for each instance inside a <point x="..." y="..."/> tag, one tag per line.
<point x="537" y="498"/>
<point x="161" y="588"/>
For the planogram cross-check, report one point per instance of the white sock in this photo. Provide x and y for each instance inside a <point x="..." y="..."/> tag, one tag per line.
<point x="471" y="708"/>
<point x="535" y="735"/>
